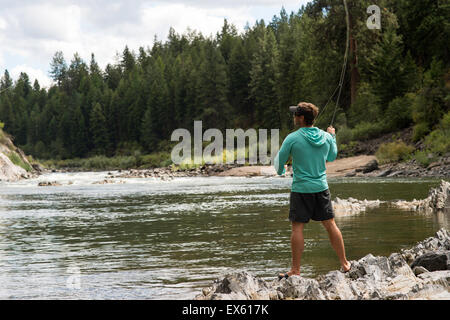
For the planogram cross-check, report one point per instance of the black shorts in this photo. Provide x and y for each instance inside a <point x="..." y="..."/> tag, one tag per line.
<point x="315" y="206"/>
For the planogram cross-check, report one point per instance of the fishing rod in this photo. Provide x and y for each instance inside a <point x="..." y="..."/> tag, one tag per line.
<point x="344" y="68"/>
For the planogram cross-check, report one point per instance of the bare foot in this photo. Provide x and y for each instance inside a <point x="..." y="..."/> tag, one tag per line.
<point x="289" y="274"/>
<point x="346" y="267"/>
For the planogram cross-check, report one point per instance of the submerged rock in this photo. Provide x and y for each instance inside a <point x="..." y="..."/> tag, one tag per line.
<point x="49" y="184"/>
<point x="353" y="206"/>
<point x="371" y="277"/>
<point x="108" y="181"/>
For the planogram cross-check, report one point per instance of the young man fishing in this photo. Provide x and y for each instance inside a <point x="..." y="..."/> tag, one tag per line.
<point x="310" y="148"/>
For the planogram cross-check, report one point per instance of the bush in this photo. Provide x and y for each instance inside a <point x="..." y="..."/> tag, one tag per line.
<point x="420" y="130"/>
<point x="366" y="107"/>
<point x="114" y="163"/>
<point x="344" y="135"/>
<point x="424" y="158"/>
<point x="368" y="130"/>
<point x="438" y="141"/>
<point x="394" y="152"/>
<point x="399" y="112"/>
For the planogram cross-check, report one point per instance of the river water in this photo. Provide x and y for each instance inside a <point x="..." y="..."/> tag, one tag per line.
<point x="153" y="239"/>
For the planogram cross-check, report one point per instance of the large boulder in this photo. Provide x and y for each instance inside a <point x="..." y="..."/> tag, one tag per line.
<point x="371" y="166"/>
<point x="433" y="261"/>
<point x="238" y="286"/>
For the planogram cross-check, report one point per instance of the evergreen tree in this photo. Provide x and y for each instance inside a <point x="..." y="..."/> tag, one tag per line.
<point x="99" y="129"/>
<point x="58" y="67"/>
<point x="213" y="96"/>
<point x="264" y="76"/>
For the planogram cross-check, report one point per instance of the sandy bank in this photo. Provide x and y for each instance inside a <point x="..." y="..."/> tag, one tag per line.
<point x="337" y="168"/>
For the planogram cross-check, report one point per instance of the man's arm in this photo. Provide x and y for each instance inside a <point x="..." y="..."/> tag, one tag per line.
<point x="332" y="154"/>
<point x="282" y="156"/>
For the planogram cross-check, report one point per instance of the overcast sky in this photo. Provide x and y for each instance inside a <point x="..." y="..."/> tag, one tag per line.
<point x="31" y="31"/>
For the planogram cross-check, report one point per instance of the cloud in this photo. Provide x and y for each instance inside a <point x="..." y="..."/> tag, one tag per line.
<point x="44" y="80"/>
<point x="32" y="31"/>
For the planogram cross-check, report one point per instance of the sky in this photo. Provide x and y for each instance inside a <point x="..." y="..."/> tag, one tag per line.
<point x="31" y="31"/>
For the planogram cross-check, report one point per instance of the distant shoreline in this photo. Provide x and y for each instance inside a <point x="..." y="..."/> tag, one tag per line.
<point x="358" y="166"/>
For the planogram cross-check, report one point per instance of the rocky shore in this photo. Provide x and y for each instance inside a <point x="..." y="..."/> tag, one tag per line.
<point x="421" y="272"/>
<point x="168" y="173"/>
<point x="359" y="166"/>
<point x="412" y="169"/>
<point x="10" y="171"/>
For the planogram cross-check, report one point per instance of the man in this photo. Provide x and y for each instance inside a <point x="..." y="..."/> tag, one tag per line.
<point x="310" y="148"/>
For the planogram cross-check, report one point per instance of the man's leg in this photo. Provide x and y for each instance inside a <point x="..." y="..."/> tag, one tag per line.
<point x="337" y="242"/>
<point x="297" y="246"/>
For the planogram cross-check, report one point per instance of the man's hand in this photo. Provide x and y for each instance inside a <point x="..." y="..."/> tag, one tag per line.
<point x="331" y="130"/>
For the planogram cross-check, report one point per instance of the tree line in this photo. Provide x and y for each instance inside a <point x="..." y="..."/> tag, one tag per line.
<point x="396" y="77"/>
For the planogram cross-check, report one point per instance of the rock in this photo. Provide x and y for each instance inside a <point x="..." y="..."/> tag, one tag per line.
<point x="384" y="173"/>
<point x="49" y="184"/>
<point x="351" y="174"/>
<point x="437" y="277"/>
<point x="335" y="286"/>
<point x="238" y="286"/>
<point x="297" y="287"/>
<point x="395" y="174"/>
<point x="353" y="206"/>
<point x="419" y="270"/>
<point x="438" y="200"/>
<point x="371" y="166"/>
<point x="371" y="277"/>
<point x="433" y="261"/>
<point x="37" y="167"/>
<point x="108" y="181"/>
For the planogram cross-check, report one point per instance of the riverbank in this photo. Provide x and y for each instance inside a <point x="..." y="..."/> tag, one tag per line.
<point x="14" y="164"/>
<point x="421" y="272"/>
<point x="358" y="166"/>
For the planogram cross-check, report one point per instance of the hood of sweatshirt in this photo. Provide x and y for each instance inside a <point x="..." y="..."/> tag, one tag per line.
<point x="313" y="135"/>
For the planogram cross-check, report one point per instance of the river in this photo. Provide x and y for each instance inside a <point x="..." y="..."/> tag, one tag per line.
<point x="153" y="239"/>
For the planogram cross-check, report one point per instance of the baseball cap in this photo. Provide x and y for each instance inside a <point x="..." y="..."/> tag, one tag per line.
<point x="297" y="110"/>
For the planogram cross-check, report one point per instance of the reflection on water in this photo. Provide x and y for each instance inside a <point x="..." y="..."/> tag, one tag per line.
<point x="148" y="239"/>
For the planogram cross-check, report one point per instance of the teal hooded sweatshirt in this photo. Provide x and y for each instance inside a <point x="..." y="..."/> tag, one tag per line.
<point x="310" y="148"/>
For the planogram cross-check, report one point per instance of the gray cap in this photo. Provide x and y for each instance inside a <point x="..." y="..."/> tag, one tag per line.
<point x="297" y="110"/>
<point x="293" y="108"/>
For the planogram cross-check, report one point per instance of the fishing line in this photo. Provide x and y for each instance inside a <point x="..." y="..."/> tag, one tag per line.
<point x="344" y="67"/>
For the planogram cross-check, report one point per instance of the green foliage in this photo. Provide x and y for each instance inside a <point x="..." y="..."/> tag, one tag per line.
<point x="394" y="152"/>
<point x="424" y="157"/>
<point x="113" y="163"/>
<point x="2" y="135"/>
<point x="432" y="100"/>
<point x="438" y="140"/>
<point x="366" y="107"/>
<point x="344" y="135"/>
<point x="368" y="130"/>
<point x="18" y="161"/>
<point x="420" y="130"/>
<point x="399" y="113"/>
